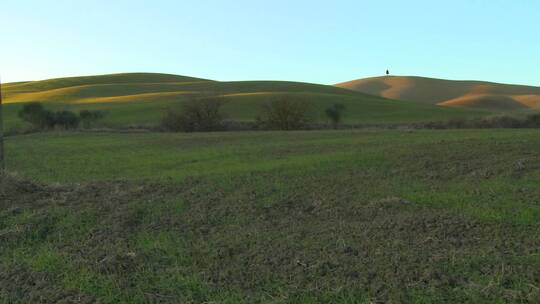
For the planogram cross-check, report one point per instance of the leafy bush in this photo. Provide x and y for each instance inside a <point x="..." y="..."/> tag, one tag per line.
<point x="285" y="113"/>
<point x="196" y="115"/>
<point x="89" y="117"/>
<point x="335" y="113"/>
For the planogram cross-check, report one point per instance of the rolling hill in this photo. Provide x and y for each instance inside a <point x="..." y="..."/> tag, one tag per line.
<point x="450" y="93"/>
<point x="139" y="99"/>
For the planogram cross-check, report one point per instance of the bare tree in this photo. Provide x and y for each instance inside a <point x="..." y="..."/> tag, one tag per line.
<point x="285" y="113"/>
<point x="197" y="114"/>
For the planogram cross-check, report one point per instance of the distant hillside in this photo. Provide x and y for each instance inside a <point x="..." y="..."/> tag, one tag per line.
<point x="148" y="87"/>
<point x="474" y="94"/>
<point x="58" y="83"/>
<point x="140" y="99"/>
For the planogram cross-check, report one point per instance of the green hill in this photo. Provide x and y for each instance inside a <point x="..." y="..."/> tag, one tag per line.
<point x="139" y="99"/>
<point x="59" y="83"/>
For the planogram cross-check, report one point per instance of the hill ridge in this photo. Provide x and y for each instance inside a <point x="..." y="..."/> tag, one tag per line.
<point x="105" y="79"/>
<point x="457" y="93"/>
<point x="140" y="99"/>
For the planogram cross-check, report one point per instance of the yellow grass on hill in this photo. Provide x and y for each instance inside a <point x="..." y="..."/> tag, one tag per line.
<point x="476" y="94"/>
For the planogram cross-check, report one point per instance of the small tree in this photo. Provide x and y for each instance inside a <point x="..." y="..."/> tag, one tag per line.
<point x="89" y="117"/>
<point x="285" y="113"/>
<point x="196" y="115"/>
<point x="335" y="113"/>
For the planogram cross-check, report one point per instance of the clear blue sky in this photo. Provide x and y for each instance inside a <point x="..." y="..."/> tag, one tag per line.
<point x="313" y="41"/>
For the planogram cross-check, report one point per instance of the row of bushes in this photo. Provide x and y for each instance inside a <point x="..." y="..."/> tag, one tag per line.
<point x="284" y="113"/>
<point x="504" y="121"/>
<point x="42" y="119"/>
<point x="291" y="113"/>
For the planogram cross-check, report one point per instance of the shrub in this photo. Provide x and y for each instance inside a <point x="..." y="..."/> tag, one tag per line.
<point x="334" y="113"/>
<point x="456" y="123"/>
<point x="35" y="114"/>
<point x="66" y="120"/>
<point x="196" y="115"/>
<point x="89" y="117"/>
<point x="501" y="122"/>
<point x="42" y="119"/>
<point x="285" y="113"/>
<point x="533" y="121"/>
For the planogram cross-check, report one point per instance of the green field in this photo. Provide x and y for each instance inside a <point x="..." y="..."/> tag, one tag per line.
<point x="272" y="217"/>
<point x="139" y="100"/>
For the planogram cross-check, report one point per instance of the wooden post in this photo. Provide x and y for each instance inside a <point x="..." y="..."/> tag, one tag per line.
<point x="2" y="156"/>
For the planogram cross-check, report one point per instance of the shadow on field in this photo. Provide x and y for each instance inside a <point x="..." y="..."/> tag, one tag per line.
<point x="193" y="241"/>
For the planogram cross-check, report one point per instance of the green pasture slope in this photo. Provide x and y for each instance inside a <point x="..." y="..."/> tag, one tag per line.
<point x="272" y="217"/>
<point x="139" y="100"/>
